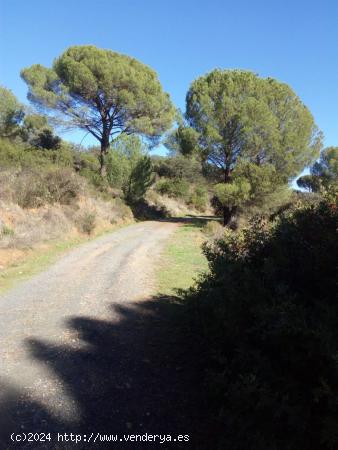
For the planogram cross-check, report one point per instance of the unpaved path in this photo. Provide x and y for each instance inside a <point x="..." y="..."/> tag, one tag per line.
<point x="84" y="348"/>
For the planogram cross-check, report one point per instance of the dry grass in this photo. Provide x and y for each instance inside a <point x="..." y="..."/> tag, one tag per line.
<point x="213" y="229"/>
<point x="62" y="217"/>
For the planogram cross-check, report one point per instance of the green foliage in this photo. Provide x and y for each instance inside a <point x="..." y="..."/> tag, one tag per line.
<point x="310" y="183"/>
<point x="63" y="157"/>
<point x="141" y="178"/>
<point x="183" y="140"/>
<point x="252" y="190"/>
<point x="267" y="190"/>
<point x="102" y="93"/>
<point x="199" y="198"/>
<point x="182" y="177"/>
<point x="178" y="166"/>
<point x="324" y="173"/>
<point x="241" y="116"/>
<point x="11" y="113"/>
<point x="19" y="155"/>
<point x="37" y="132"/>
<point x="33" y="122"/>
<point x="235" y="118"/>
<point x="129" y="168"/>
<point x="268" y="312"/>
<point x="46" y="139"/>
<point x="233" y="194"/>
<point x="23" y="155"/>
<point x="327" y="166"/>
<point x="262" y="179"/>
<point x="86" y="163"/>
<point x="175" y="188"/>
<point x="85" y="160"/>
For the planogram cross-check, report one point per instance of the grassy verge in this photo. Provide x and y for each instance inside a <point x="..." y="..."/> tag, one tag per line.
<point x="40" y="258"/>
<point x="182" y="260"/>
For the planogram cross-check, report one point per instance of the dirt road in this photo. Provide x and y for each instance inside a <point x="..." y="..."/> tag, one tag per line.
<point x="85" y="348"/>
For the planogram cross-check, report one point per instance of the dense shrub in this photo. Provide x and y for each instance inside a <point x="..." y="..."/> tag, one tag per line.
<point x="179" y="166"/>
<point x="34" y="189"/>
<point x="175" y="187"/>
<point x="129" y="168"/>
<point x="30" y="190"/>
<point x="16" y="154"/>
<point x="86" y="160"/>
<point x="269" y="315"/>
<point x="63" y="186"/>
<point x="22" y="155"/>
<point x="62" y="157"/>
<point x="87" y="222"/>
<point x="199" y="198"/>
<point x="141" y="178"/>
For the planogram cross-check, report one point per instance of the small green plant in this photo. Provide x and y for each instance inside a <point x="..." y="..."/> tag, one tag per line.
<point x="7" y="231"/>
<point x="87" y="222"/>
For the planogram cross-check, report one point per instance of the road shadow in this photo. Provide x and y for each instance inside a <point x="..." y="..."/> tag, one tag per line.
<point x="195" y="221"/>
<point x="143" y="211"/>
<point x="139" y="374"/>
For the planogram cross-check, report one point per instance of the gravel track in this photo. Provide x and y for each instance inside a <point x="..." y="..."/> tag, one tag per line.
<point x="84" y="347"/>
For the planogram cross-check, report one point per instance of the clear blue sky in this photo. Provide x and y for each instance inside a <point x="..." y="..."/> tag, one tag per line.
<point x="294" y="41"/>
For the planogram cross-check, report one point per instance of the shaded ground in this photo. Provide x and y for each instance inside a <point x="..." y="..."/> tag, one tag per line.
<point x="82" y="351"/>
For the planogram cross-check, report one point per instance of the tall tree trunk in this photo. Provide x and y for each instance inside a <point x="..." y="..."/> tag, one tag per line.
<point x="227" y="212"/>
<point x="103" y="153"/>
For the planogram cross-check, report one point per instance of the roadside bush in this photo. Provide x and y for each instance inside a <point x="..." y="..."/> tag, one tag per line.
<point x="30" y="190"/>
<point x="173" y="188"/>
<point x="269" y="315"/>
<point x="34" y="189"/>
<point x="213" y="229"/>
<point x="199" y="198"/>
<point x="63" y="186"/>
<point x="87" y="222"/>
